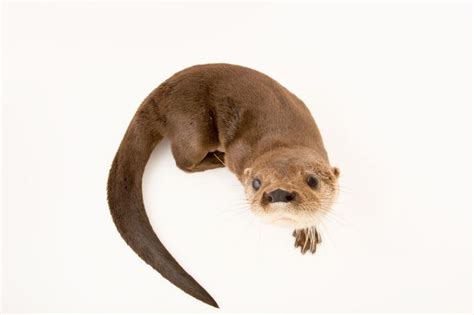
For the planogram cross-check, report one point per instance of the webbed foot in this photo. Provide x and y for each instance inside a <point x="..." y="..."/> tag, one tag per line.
<point x="307" y="239"/>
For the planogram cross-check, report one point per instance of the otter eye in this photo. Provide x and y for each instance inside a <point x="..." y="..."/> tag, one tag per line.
<point x="312" y="181"/>
<point x="256" y="183"/>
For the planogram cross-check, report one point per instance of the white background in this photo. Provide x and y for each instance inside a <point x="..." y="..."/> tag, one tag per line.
<point x="388" y="84"/>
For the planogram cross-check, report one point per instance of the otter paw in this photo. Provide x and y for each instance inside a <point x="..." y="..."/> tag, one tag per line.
<point x="307" y="239"/>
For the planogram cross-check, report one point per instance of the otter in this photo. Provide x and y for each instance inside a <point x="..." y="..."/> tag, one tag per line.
<point x="223" y="115"/>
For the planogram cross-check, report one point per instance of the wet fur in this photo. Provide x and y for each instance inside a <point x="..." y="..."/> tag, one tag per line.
<point x="215" y="115"/>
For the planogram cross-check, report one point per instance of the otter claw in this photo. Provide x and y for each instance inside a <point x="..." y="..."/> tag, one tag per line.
<point x="307" y="239"/>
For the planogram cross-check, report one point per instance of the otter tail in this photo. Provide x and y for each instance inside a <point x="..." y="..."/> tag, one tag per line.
<point x="124" y="192"/>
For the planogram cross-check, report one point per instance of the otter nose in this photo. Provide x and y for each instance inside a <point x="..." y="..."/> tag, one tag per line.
<point x="279" y="195"/>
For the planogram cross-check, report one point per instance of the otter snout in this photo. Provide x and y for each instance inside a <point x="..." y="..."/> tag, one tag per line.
<point x="279" y="195"/>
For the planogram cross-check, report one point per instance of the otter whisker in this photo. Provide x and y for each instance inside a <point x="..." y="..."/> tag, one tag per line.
<point x="333" y="219"/>
<point x="323" y="229"/>
<point x="334" y="216"/>
<point x="215" y="155"/>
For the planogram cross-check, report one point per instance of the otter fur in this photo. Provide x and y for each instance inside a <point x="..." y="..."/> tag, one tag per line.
<point x="218" y="115"/>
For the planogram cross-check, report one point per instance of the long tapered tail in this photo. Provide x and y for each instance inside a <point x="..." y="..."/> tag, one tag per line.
<point x="124" y="192"/>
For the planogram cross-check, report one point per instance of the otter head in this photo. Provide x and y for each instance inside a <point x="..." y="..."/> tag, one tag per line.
<point x="290" y="187"/>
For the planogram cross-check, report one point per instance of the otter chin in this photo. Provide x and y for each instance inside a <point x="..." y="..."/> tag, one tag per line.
<point x="291" y="187"/>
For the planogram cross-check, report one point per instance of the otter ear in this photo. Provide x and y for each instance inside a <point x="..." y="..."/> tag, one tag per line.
<point x="336" y="172"/>
<point x="247" y="171"/>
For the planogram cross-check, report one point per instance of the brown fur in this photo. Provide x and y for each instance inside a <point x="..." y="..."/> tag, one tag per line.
<point x="219" y="114"/>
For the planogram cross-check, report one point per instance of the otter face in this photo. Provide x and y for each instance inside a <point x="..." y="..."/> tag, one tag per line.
<point x="291" y="189"/>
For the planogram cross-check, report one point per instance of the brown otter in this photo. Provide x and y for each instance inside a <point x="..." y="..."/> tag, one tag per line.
<point x="219" y="115"/>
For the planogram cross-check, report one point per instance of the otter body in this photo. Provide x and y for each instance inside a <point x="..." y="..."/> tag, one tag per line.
<point x="239" y="111"/>
<point x="220" y="115"/>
